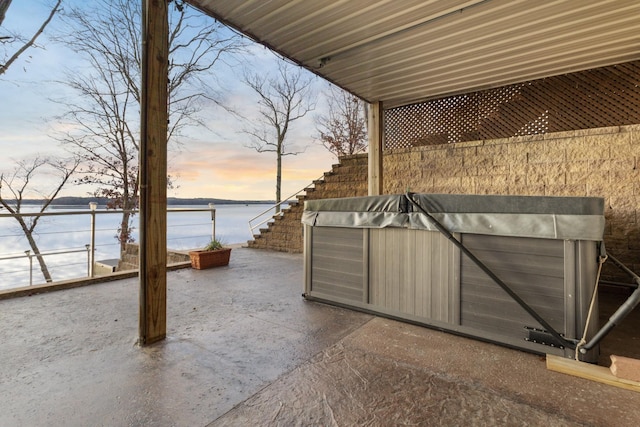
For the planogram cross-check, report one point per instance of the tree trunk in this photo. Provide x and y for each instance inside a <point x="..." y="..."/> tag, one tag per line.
<point x="28" y="233"/>
<point x="4" y="5"/>
<point x="36" y="252"/>
<point x="124" y="231"/>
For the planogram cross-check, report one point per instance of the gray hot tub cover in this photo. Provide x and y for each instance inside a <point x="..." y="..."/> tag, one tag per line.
<point x="575" y="218"/>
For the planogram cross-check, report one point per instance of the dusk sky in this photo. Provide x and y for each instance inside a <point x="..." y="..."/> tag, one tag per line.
<point x="212" y="162"/>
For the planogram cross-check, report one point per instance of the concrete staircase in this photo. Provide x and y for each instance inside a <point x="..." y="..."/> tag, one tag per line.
<point x="346" y="179"/>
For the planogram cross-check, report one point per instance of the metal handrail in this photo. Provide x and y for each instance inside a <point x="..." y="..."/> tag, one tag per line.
<point x="98" y="212"/>
<point x="42" y="254"/>
<point x="90" y="248"/>
<point x="261" y="214"/>
<point x="31" y="256"/>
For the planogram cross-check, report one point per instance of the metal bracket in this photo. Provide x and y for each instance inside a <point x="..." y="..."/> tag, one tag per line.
<point x="540" y="336"/>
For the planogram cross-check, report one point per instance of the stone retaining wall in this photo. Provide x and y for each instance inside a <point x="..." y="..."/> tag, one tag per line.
<point x="599" y="162"/>
<point x="129" y="259"/>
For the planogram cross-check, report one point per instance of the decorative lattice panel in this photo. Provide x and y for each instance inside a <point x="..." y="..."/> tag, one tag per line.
<point x="608" y="96"/>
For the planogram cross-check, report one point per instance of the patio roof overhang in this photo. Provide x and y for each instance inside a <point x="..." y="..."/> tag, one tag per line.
<point x="402" y="52"/>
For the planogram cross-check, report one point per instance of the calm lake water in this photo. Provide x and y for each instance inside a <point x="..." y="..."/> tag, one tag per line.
<point x="185" y="230"/>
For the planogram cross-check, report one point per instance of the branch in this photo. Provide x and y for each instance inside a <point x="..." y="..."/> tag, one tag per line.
<point x="65" y="173"/>
<point x="282" y="100"/>
<point x="5" y="67"/>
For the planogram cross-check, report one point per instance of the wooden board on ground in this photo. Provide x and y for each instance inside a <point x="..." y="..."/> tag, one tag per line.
<point x="591" y="372"/>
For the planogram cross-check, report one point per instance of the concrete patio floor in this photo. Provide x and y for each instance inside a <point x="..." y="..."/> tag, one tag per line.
<point x="243" y="348"/>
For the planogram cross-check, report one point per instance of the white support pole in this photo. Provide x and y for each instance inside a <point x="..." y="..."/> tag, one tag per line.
<point x="89" y="263"/>
<point x="212" y="207"/>
<point x="30" y="267"/>
<point x="92" y="249"/>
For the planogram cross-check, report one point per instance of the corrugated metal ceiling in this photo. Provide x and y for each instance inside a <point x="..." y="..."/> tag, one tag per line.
<point x="404" y="51"/>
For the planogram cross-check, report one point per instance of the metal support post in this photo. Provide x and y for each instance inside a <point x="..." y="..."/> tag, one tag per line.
<point x="212" y="207"/>
<point x="92" y="250"/>
<point x="88" y="259"/>
<point x="30" y="267"/>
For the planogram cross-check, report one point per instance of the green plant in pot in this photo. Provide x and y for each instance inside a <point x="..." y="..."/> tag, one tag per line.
<point x="214" y="254"/>
<point x="214" y="245"/>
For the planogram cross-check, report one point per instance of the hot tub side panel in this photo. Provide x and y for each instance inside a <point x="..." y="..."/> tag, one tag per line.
<point x="413" y="273"/>
<point x="336" y="264"/>
<point x="420" y="276"/>
<point x="533" y="269"/>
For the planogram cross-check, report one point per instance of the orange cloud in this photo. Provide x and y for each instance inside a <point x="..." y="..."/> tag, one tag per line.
<point x="232" y="171"/>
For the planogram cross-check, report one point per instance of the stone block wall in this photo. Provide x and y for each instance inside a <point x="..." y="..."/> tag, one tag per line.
<point x="599" y="162"/>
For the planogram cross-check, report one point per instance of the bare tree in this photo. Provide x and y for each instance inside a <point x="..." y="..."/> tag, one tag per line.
<point x="104" y="118"/>
<point x="20" y="181"/>
<point x="24" y="43"/>
<point x="343" y="131"/>
<point x="282" y="100"/>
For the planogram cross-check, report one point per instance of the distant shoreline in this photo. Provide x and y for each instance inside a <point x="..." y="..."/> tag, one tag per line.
<point x="79" y="201"/>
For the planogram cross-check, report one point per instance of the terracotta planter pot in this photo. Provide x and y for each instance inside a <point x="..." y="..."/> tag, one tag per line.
<point x="207" y="259"/>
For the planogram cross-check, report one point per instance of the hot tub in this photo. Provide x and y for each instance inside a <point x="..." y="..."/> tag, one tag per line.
<point x="382" y="254"/>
